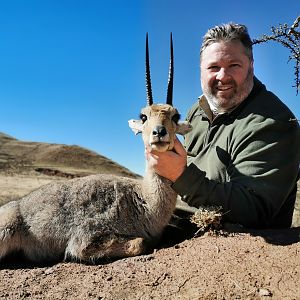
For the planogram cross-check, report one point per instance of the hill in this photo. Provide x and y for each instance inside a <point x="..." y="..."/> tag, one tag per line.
<point x="24" y="166"/>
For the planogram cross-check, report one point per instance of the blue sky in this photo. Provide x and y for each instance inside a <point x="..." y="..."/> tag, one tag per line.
<point x="72" y="72"/>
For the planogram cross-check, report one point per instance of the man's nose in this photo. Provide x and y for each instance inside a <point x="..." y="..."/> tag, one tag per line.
<point x="222" y="74"/>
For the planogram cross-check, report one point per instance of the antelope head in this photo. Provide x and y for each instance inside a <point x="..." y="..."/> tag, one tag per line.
<point x="159" y="123"/>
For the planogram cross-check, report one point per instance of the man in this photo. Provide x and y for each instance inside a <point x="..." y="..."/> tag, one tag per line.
<point x="244" y="150"/>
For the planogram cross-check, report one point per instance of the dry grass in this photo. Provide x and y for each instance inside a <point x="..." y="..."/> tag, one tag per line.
<point x="207" y="218"/>
<point x="13" y="187"/>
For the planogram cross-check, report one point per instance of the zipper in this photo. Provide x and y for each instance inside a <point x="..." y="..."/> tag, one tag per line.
<point x="206" y="138"/>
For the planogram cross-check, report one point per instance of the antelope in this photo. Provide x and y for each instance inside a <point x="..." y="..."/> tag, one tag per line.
<point x="99" y="216"/>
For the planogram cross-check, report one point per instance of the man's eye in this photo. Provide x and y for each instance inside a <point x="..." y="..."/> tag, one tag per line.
<point x="213" y="68"/>
<point x="176" y="118"/>
<point x="143" y="118"/>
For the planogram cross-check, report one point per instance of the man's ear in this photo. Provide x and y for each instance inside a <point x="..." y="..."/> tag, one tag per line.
<point x="136" y="126"/>
<point x="183" y="127"/>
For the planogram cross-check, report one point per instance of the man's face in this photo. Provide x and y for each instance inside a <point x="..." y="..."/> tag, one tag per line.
<point x="226" y="74"/>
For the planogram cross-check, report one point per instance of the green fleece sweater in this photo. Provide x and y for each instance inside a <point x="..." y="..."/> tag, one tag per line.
<point x="246" y="161"/>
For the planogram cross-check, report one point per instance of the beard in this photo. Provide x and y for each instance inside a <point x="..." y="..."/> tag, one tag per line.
<point x="225" y="103"/>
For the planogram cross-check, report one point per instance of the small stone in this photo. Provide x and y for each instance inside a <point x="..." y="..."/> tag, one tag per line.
<point x="149" y="257"/>
<point x="49" y="271"/>
<point x="264" y="292"/>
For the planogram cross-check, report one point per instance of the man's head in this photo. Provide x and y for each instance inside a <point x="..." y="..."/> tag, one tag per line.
<point x="226" y="62"/>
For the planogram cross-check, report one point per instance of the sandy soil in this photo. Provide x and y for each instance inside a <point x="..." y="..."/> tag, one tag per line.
<point x="255" y="265"/>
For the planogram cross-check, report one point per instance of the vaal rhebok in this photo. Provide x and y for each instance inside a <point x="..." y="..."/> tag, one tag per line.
<point x="97" y="216"/>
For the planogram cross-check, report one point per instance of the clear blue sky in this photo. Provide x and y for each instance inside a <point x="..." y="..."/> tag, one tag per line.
<point x="72" y="72"/>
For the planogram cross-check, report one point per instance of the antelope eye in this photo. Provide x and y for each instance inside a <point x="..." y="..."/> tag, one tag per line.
<point x="176" y="118"/>
<point x="143" y="118"/>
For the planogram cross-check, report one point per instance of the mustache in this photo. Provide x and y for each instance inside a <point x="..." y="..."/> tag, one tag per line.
<point x="218" y="83"/>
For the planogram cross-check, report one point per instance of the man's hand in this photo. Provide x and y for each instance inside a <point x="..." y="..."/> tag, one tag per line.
<point x="170" y="164"/>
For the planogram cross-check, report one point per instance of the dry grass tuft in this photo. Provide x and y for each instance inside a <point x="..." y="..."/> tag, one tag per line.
<point x="207" y="219"/>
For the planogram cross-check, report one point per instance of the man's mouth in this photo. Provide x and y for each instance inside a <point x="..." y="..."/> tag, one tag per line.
<point x="224" y="88"/>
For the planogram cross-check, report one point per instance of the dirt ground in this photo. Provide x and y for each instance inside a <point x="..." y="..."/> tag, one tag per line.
<point x="252" y="265"/>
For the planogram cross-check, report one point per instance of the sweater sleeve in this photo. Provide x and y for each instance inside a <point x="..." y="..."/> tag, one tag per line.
<point x="262" y="174"/>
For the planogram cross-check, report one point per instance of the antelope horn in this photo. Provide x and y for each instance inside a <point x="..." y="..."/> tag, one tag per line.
<point x="171" y="75"/>
<point x="148" y="78"/>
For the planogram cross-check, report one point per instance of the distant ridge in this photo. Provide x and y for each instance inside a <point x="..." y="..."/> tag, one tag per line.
<point x="20" y="157"/>
<point x="5" y="137"/>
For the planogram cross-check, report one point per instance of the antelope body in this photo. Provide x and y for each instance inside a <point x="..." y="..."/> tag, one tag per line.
<point x="98" y="216"/>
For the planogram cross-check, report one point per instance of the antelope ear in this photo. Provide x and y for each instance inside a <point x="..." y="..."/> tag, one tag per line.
<point x="136" y="126"/>
<point x="183" y="127"/>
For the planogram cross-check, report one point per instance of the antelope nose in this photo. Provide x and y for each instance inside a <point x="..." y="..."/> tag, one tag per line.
<point x="159" y="131"/>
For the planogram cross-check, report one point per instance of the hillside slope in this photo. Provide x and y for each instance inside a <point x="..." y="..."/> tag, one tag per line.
<point x="29" y="156"/>
<point x="24" y="166"/>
